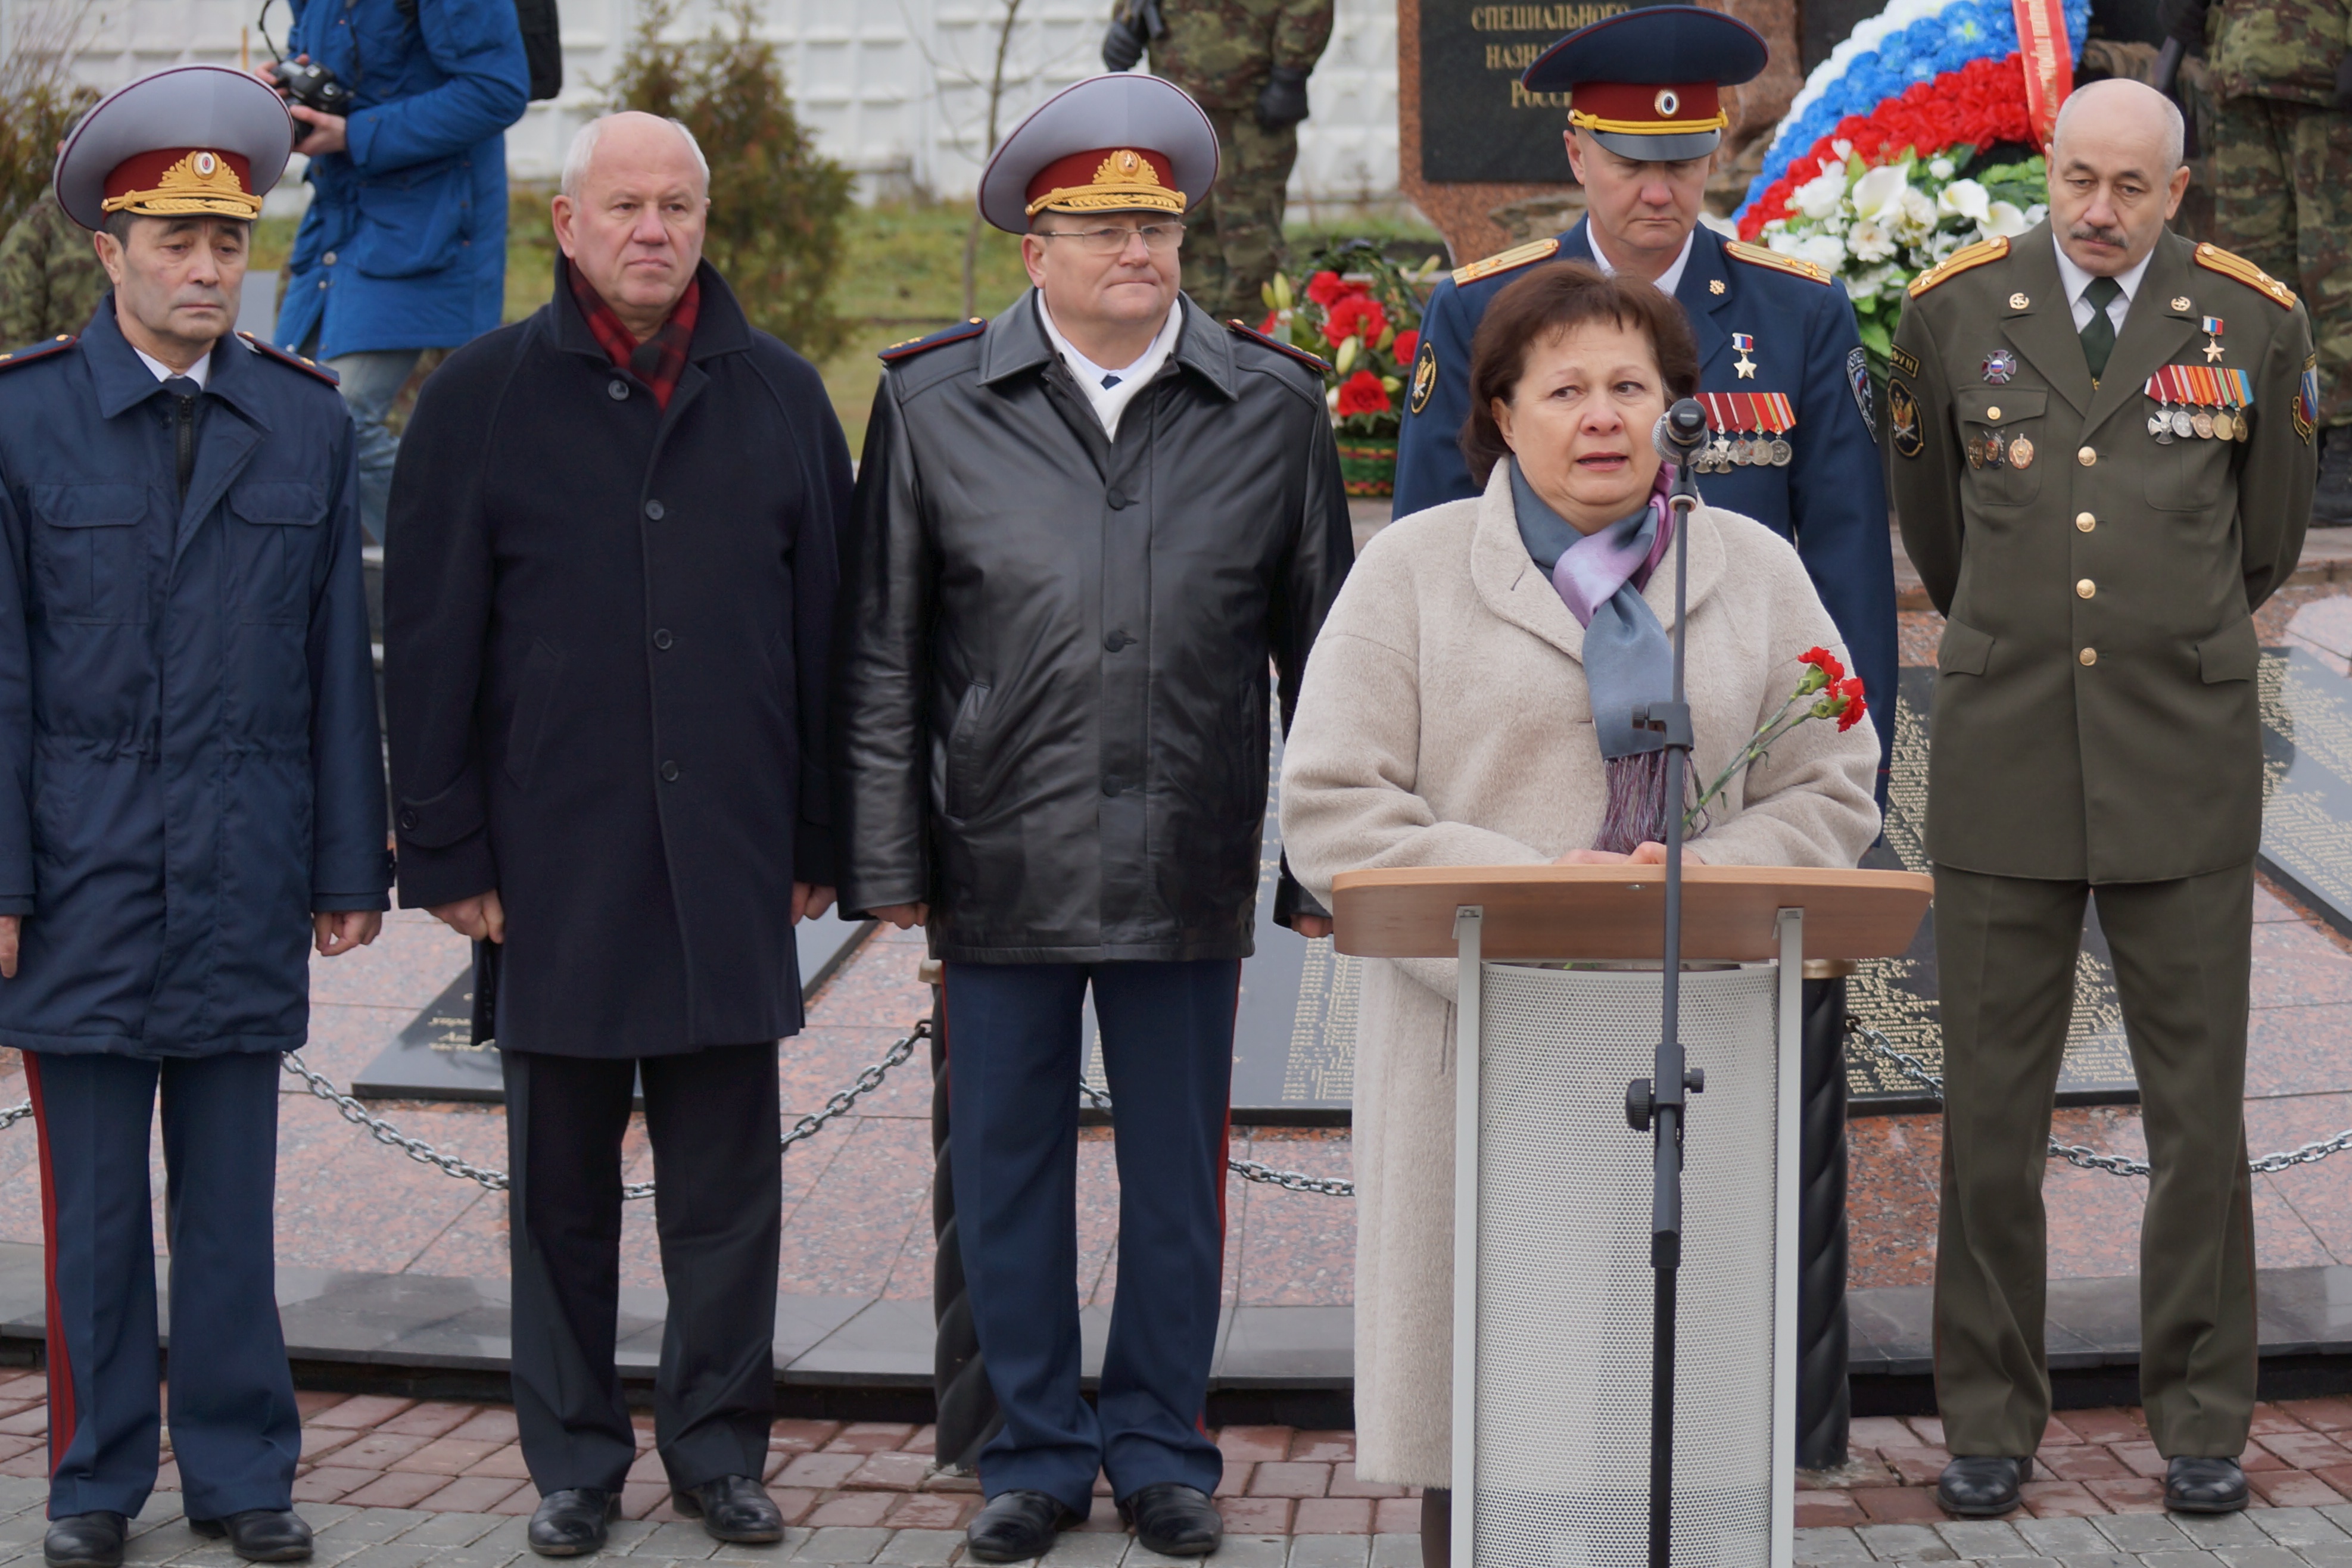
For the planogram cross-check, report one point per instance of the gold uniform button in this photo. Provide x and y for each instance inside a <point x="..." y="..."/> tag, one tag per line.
<point x="1994" y="412"/>
<point x="2085" y="588"/>
<point x="2088" y="656"/>
<point x="2086" y="458"/>
<point x="2084" y="521"/>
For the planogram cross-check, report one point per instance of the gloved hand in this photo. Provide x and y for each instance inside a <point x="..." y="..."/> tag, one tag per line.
<point x="1282" y="102"/>
<point x="1123" y="45"/>
<point x="2344" y="85"/>
<point x="2184" y="20"/>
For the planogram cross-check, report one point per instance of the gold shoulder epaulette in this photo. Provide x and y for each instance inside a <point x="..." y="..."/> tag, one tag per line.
<point x="2214" y="258"/>
<point x="1764" y="255"/>
<point x="56" y="345"/>
<point x="1503" y="261"/>
<point x="1959" y="261"/>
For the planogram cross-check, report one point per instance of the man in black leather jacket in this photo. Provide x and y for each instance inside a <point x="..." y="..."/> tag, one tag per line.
<point x="1081" y="532"/>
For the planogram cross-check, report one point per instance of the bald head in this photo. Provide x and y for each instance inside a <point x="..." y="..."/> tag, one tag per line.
<point x="631" y="215"/>
<point x="2115" y="173"/>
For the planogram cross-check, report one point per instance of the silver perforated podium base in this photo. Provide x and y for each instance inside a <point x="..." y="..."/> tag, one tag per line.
<point x="1559" y="1360"/>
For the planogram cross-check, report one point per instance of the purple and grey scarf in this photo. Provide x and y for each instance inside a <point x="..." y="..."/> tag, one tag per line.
<point x="1628" y="661"/>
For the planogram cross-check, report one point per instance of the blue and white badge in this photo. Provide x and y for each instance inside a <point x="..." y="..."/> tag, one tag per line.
<point x="2000" y="366"/>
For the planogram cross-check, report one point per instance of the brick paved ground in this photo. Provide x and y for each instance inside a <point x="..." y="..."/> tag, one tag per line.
<point x="2092" y="1462"/>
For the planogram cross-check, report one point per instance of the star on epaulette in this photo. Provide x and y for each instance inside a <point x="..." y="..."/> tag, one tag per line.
<point x="56" y="345"/>
<point x="1959" y="261"/>
<point x="302" y="362"/>
<point x="2214" y="258"/>
<point x="907" y="348"/>
<point x="1504" y="261"/>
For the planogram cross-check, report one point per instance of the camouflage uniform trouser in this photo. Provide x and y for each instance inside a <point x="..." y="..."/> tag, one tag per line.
<point x="2283" y="199"/>
<point x="1232" y="243"/>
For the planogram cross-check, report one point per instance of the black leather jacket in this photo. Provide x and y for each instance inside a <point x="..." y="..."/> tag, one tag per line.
<point x="1052" y="675"/>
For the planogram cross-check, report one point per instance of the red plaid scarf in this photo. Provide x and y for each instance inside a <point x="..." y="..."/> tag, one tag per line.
<point x="658" y="362"/>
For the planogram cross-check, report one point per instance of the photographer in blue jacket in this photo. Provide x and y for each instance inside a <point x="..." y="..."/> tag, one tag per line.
<point x="404" y="247"/>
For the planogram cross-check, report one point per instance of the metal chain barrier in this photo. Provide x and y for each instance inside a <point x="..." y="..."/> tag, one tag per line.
<point x="2077" y="1154"/>
<point x="1253" y="1170"/>
<point x="423" y="1153"/>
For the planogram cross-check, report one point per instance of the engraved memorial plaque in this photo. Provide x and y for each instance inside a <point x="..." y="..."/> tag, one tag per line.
<point x="1477" y="124"/>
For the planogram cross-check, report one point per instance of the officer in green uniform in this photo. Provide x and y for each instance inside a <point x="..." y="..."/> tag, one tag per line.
<point x="2281" y="146"/>
<point x="1245" y="62"/>
<point x="49" y="276"/>
<point x="2103" y="440"/>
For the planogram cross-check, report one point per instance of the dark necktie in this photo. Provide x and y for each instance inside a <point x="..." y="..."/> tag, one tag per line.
<point x="1109" y="381"/>
<point x="184" y="392"/>
<point x="2099" y="332"/>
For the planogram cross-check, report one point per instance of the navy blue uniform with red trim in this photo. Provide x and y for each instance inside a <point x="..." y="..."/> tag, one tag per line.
<point x="205" y="773"/>
<point x="1829" y="500"/>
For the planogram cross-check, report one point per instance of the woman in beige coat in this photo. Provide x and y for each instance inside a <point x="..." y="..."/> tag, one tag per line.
<point x="1447" y="718"/>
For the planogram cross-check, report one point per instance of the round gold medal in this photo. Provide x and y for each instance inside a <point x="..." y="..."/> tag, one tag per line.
<point x="2021" y="453"/>
<point x="2225" y="427"/>
<point x="2202" y="422"/>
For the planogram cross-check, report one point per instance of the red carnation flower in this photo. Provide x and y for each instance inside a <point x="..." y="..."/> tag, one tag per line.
<point x="1362" y="393"/>
<point x="1850" y="715"/>
<point x="1824" y="661"/>
<point x="1356" y="316"/>
<point x="1406" y="342"/>
<point x="1328" y="288"/>
<point x="1272" y="323"/>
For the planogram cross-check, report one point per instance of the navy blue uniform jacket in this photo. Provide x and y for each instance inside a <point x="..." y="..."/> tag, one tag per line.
<point x="1830" y="500"/>
<point x="606" y="628"/>
<point x="189" y="758"/>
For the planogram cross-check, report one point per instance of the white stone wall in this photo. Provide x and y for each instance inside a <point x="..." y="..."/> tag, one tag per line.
<point x="896" y="90"/>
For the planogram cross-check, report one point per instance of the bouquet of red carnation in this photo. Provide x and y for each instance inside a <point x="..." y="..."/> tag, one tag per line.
<point x="1825" y="691"/>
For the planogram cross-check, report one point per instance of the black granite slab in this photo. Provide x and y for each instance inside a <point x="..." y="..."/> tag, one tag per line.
<point x="2307" y="781"/>
<point x="434" y="1056"/>
<point x="1477" y="123"/>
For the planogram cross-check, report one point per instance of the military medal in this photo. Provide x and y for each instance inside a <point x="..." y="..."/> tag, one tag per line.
<point x="1748" y="426"/>
<point x="2211" y="327"/>
<point x="2204" y="400"/>
<point x="2021" y="453"/>
<point x="2159" y="425"/>
<point x="1744" y="344"/>
<point x="2000" y="366"/>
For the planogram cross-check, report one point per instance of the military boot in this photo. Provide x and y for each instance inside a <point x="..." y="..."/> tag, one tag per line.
<point x="2331" y="502"/>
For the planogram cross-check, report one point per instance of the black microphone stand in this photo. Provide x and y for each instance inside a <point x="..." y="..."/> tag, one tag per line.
<point x="1656" y="1105"/>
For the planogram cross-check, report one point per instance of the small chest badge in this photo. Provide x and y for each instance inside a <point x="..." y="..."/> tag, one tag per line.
<point x="1744" y="344"/>
<point x="2000" y="366"/>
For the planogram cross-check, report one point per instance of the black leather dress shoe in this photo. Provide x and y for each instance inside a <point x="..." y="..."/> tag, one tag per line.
<point x="260" y="1534"/>
<point x="1174" y="1519"/>
<point x="1982" y="1486"/>
<point x="85" y="1541"/>
<point x="1017" y="1526"/>
<point x="2198" y="1484"/>
<point x="732" y="1508"/>
<point x="572" y="1522"/>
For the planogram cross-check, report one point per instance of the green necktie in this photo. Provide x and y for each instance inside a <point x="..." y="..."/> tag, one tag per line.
<point x="2099" y="332"/>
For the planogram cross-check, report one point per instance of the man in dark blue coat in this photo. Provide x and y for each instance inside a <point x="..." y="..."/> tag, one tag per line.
<point x="608" y="603"/>
<point x="1781" y="367"/>
<point x="403" y="246"/>
<point x="193" y="793"/>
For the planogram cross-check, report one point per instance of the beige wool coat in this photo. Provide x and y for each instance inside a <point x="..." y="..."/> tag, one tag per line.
<point x="1444" y="720"/>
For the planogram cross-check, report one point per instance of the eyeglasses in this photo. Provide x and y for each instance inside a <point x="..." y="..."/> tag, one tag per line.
<point x="1111" y="239"/>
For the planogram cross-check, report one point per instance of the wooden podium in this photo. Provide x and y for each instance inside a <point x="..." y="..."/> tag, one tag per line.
<point x="1552" y="1190"/>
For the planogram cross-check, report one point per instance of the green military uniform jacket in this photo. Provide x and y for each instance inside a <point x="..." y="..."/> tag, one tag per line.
<point x="2096" y="715"/>
<point x="1219" y="51"/>
<point x="2283" y="49"/>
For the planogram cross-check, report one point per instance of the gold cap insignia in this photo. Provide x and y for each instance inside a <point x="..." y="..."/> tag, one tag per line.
<point x="199" y="180"/>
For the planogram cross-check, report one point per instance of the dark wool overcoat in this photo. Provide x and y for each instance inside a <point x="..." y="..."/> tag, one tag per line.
<point x="605" y="635"/>
<point x="189" y="758"/>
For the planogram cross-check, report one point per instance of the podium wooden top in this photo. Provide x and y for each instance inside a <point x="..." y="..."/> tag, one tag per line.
<point x="1599" y="911"/>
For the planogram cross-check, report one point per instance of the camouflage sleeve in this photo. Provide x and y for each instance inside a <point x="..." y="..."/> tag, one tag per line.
<point x="1301" y="32"/>
<point x="23" y="283"/>
<point x="49" y="276"/>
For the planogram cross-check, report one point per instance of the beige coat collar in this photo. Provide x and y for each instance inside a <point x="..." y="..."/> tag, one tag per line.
<point x="1513" y="587"/>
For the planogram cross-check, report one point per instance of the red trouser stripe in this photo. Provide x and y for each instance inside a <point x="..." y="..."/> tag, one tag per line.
<point x="60" y="1371"/>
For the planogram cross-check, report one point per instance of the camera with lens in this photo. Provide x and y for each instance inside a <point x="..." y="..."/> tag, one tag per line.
<point x="313" y="86"/>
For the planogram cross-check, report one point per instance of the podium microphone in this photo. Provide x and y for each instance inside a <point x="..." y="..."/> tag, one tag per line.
<point x="1680" y="431"/>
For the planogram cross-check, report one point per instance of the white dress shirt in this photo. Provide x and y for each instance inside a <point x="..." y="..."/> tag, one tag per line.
<point x="1110" y="391"/>
<point x="200" y="372"/>
<point x="2074" y="280"/>
<point x="1668" y="281"/>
